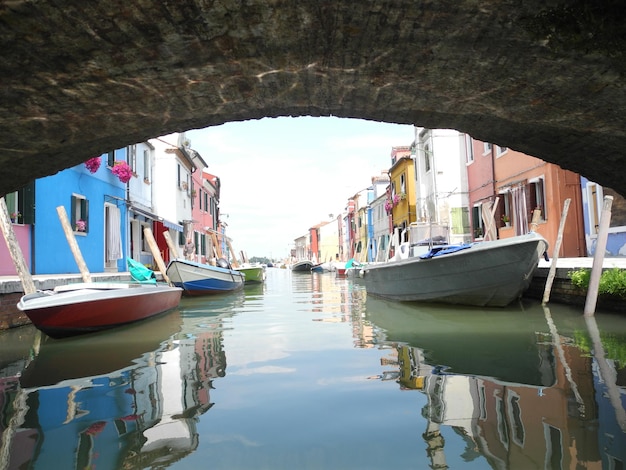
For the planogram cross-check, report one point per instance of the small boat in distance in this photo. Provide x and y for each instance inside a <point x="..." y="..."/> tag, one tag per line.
<point x="254" y="273"/>
<point x="204" y="279"/>
<point x="87" y="307"/>
<point x="487" y="274"/>
<point x="303" y="266"/>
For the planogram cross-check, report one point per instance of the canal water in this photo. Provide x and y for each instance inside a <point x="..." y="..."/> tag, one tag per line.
<point x="307" y="372"/>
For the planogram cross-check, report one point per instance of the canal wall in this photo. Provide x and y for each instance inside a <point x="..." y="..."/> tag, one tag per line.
<point x="564" y="292"/>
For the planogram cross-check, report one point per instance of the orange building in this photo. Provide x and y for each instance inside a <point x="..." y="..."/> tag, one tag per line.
<point x="523" y="184"/>
<point x="520" y="184"/>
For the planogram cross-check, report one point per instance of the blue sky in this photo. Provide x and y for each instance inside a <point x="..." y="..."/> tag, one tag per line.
<point x="281" y="176"/>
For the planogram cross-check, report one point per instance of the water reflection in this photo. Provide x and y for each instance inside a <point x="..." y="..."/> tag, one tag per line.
<point x="521" y="392"/>
<point x="126" y="398"/>
<point x="521" y="387"/>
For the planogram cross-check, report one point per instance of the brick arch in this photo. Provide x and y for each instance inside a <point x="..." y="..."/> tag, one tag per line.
<point x="80" y="78"/>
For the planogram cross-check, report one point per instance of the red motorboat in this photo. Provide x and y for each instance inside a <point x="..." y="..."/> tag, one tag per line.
<point x="86" y="307"/>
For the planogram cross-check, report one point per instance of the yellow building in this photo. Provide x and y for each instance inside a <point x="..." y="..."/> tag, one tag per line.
<point x="401" y="194"/>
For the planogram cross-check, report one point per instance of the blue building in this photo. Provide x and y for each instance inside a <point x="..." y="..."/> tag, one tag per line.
<point x="96" y="207"/>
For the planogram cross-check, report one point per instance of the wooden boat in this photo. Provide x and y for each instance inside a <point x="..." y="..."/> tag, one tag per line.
<point x="204" y="279"/>
<point x="302" y="266"/>
<point x="254" y="273"/>
<point x="86" y="307"/>
<point x="489" y="274"/>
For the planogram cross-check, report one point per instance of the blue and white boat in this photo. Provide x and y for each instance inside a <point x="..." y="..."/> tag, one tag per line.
<point x="204" y="279"/>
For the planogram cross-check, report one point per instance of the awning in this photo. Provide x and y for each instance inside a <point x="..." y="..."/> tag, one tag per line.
<point x="172" y="225"/>
<point x="145" y="213"/>
<point x="150" y="215"/>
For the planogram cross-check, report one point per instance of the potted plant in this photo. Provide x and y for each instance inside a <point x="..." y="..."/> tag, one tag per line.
<point x="506" y="221"/>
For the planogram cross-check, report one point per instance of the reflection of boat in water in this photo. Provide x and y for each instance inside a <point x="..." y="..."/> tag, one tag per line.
<point x="508" y="346"/>
<point x="128" y="398"/>
<point x="508" y="418"/>
<point x="100" y="353"/>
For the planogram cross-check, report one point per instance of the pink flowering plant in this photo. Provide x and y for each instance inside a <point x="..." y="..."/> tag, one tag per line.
<point x="81" y="225"/>
<point x="93" y="164"/>
<point x="389" y="206"/>
<point x="122" y="170"/>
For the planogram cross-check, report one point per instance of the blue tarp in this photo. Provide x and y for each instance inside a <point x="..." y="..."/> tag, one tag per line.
<point x="444" y="250"/>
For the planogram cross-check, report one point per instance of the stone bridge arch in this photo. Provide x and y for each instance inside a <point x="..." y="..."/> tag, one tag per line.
<point x="80" y="78"/>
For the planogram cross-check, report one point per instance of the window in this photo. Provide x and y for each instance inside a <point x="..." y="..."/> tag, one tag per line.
<point x="503" y="426"/>
<point x="477" y="222"/>
<point x="486" y="148"/>
<point x="13" y="203"/>
<point x="516" y="419"/>
<point x="426" y="158"/>
<point x="146" y="166"/>
<point x="132" y="158"/>
<point x="179" y="176"/>
<point x="505" y="205"/>
<point x="554" y="447"/>
<point x="203" y="245"/>
<point x="402" y="184"/>
<point x="536" y="198"/>
<point x="500" y="150"/>
<point x="80" y="214"/>
<point x="469" y="149"/>
<point x="111" y="158"/>
<point x="460" y="220"/>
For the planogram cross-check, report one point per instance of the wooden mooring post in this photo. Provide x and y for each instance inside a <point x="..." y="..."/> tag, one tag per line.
<point x="598" y="257"/>
<point x="555" y="253"/>
<point x="71" y="240"/>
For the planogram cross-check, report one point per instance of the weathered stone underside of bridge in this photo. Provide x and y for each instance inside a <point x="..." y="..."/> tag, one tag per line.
<point x="79" y="78"/>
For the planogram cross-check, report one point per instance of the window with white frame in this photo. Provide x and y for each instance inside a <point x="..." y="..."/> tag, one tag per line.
<point x="500" y="150"/>
<point x="146" y="165"/>
<point x="518" y="433"/>
<point x="79" y="214"/>
<point x="13" y="203"/>
<point x="402" y="184"/>
<point x="426" y="158"/>
<point x="469" y="149"/>
<point x="486" y="148"/>
<point x="536" y="197"/>
<point x="132" y="158"/>
<point x="478" y="228"/>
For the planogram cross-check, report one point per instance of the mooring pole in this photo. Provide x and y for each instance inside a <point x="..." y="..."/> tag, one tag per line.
<point x="555" y="253"/>
<point x="598" y="257"/>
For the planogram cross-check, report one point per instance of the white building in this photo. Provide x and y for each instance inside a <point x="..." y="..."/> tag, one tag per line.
<point x="171" y="174"/>
<point x="441" y="181"/>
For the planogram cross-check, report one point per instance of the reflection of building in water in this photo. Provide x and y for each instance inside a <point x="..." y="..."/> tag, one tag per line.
<point x="141" y="416"/>
<point x="186" y="370"/>
<point x="511" y="425"/>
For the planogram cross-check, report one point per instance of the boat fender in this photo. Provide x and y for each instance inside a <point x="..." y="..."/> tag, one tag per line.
<point x="223" y="263"/>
